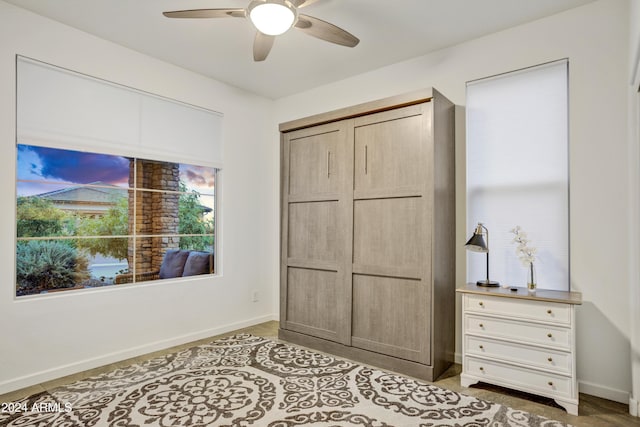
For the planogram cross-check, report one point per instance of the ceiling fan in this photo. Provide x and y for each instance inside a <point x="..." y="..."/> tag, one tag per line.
<point x="272" y="18"/>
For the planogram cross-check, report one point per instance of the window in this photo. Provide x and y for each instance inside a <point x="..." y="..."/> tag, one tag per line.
<point x="517" y="172"/>
<point x="114" y="185"/>
<point x="89" y="220"/>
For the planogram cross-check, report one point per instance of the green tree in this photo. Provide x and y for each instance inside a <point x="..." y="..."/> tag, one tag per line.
<point x="192" y="221"/>
<point x="37" y="217"/>
<point x="115" y="222"/>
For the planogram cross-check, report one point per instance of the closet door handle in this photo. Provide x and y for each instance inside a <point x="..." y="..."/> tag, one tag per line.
<point x="328" y="164"/>
<point x="366" y="159"/>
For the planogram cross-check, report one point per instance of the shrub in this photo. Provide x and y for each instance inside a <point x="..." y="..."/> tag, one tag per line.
<point x="38" y="217"/>
<point x="43" y="265"/>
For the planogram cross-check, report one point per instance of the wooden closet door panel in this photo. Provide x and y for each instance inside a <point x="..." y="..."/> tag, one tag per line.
<point x="312" y="231"/>
<point x="312" y="297"/>
<point x="389" y="154"/>
<point x="313" y="162"/>
<point x="390" y="316"/>
<point x="389" y="233"/>
<point x="392" y="250"/>
<point x="315" y="248"/>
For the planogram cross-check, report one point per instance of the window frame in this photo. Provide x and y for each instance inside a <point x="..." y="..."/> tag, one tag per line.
<point x="66" y="109"/>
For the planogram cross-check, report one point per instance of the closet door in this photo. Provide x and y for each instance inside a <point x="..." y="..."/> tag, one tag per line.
<point x="391" y="233"/>
<point x="314" y="242"/>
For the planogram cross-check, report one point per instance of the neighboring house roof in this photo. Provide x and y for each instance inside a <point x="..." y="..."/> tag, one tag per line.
<point x="93" y="198"/>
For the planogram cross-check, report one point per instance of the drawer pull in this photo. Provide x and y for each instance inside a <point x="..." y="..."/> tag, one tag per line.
<point x="481" y="325"/>
<point x="550" y="335"/>
<point x="549" y="311"/>
<point x="481" y="304"/>
<point x="550" y="359"/>
<point x="550" y="383"/>
<point x="481" y="347"/>
<point x="481" y="368"/>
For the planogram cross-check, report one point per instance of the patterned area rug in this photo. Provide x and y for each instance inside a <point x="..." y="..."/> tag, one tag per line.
<point x="251" y="381"/>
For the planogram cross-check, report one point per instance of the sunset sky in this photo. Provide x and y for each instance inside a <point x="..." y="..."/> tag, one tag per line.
<point x="49" y="169"/>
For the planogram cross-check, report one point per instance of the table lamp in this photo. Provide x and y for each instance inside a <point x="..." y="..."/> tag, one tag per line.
<point x="477" y="244"/>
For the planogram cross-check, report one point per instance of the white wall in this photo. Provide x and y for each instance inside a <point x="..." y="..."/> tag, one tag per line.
<point x="51" y="336"/>
<point x="595" y="39"/>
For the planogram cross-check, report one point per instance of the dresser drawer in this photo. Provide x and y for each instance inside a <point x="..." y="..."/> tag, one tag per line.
<point x="520" y="331"/>
<point x="518" y="308"/>
<point x="529" y="380"/>
<point x="558" y="361"/>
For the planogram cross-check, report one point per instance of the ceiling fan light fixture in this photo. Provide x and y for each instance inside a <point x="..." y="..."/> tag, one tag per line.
<point x="272" y="17"/>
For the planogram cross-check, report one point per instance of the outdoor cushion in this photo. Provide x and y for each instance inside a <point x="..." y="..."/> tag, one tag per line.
<point x="173" y="263"/>
<point x="197" y="263"/>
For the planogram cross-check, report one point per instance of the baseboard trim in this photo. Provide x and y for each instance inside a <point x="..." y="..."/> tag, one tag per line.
<point x="92" y="363"/>
<point x="634" y="407"/>
<point x="603" y="392"/>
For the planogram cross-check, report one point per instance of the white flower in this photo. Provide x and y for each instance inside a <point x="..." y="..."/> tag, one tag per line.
<point x="524" y="252"/>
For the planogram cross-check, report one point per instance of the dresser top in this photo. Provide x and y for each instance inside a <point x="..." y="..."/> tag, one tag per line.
<point x="522" y="293"/>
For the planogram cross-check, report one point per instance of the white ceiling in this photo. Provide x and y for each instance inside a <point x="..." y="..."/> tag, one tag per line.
<point x="389" y="32"/>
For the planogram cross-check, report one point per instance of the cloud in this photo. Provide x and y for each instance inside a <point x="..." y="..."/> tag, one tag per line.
<point x="195" y="178"/>
<point x="79" y="167"/>
<point x="200" y="177"/>
<point x="76" y="167"/>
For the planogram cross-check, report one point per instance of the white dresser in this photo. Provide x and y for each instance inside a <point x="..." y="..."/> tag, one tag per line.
<point x="521" y="340"/>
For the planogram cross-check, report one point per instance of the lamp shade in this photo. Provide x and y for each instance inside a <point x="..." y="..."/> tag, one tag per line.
<point x="477" y="244"/>
<point x="272" y="17"/>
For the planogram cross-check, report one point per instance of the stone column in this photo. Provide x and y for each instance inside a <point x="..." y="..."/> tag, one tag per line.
<point x="156" y="212"/>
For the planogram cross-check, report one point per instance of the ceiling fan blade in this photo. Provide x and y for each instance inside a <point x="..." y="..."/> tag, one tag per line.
<point x="262" y="46"/>
<point x="323" y="30"/>
<point x="206" y="13"/>
<point x="302" y="3"/>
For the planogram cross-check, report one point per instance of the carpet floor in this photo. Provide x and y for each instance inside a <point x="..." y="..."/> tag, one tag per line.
<point x="245" y="380"/>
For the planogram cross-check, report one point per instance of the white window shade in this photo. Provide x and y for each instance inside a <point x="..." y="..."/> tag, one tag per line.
<point x="517" y="172"/>
<point x="174" y="127"/>
<point x="64" y="109"/>
<point x="57" y="104"/>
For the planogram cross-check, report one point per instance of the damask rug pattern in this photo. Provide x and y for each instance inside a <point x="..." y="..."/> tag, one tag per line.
<point x="245" y="380"/>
